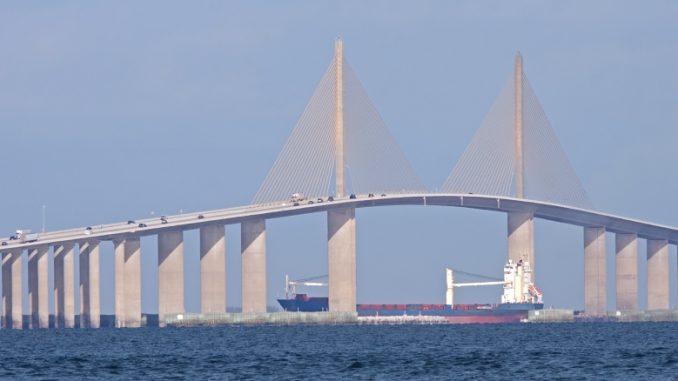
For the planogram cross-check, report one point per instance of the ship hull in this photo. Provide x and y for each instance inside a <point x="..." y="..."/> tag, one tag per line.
<point x="457" y="314"/>
<point x="303" y="303"/>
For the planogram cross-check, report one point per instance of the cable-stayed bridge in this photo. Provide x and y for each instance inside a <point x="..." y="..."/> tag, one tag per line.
<point x="340" y="156"/>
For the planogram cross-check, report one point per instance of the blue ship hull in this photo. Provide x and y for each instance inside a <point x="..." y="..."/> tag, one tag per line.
<point x="459" y="313"/>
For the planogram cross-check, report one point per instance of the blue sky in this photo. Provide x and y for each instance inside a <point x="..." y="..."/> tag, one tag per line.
<point x="113" y="110"/>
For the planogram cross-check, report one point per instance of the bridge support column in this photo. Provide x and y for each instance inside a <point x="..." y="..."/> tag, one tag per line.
<point x="521" y="238"/>
<point x="6" y="290"/>
<point x="64" y="287"/>
<point x="38" y="289"/>
<point x="627" y="271"/>
<point x="170" y="274"/>
<point x="212" y="269"/>
<point x="595" y="272"/>
<point x="253" y="255"/>
<point x="657" y="274"/>
<point x="12" y="289"/>
<point x="128" y="283"/>
<point x="90" y="308"/>
<point x="341" y="260"/>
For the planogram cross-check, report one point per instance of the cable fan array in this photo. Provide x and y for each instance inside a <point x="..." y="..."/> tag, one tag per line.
<point x="375" y="163"/>
<point x="487" y="165"/>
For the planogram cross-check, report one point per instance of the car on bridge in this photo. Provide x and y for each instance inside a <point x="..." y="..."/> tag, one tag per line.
<point x="297" y="197"/>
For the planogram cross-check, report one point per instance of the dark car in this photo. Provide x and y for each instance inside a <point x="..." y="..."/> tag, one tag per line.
<point x="3" y="243"/>
<point x="383" y="195"/>
<point x="13" y="237"/>
<point x="200" y="216"/>
<point x="320" y="200"/>
<point x="330" y="198"/>
<point x="310" y="202"/>
<point x="142" y="225"/>
<point x="352" y="196"/>
<point x="131" y="222"/>
<point x="370" y="195"/>
<point x="163" y="220"/>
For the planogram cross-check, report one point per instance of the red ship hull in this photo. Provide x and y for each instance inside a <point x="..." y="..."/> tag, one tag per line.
<point x="487" y="319"/>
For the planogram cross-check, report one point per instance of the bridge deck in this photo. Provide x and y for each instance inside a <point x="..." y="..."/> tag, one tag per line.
<point x="548" y="211"/>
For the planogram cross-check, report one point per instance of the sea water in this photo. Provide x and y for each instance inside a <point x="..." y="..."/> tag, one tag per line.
<point x="641" y="351"/>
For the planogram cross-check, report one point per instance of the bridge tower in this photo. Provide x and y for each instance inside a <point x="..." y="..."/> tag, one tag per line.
<point x="520" y="224"/>
<point x="341" y="248"/>
<point x="339" y="146"/>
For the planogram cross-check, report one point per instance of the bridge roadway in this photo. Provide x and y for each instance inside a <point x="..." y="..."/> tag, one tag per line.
<point x="548" y="211"/>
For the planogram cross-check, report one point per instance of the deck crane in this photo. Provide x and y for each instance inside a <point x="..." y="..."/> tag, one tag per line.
<point x="291" y="285"/>
<point x="449" y="296"/>
<point x="517" y="285"/>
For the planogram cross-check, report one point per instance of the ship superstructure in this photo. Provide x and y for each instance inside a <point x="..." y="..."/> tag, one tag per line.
<point x="518" y="286"/>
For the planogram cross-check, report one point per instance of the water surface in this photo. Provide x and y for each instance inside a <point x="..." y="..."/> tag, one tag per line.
<point x="639" y="351"/>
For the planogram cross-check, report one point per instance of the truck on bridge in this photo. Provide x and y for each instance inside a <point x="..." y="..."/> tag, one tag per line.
<point x="25" y="235"/>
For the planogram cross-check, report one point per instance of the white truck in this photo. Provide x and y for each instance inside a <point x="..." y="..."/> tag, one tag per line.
<point x="297" y="197"/>
<point x="25" y="235"/>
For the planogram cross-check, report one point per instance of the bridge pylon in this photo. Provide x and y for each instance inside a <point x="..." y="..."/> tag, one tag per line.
<point x="516" y="153"/>
<point x="520" y="225"/>
<point x="341" y="250"/>
<point x="340" y="146"/>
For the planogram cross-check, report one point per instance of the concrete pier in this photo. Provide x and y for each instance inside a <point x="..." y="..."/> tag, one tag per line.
<point x="253" y="255"/>
<point x="128" y="283"/>
<point x="12" y="289"/>
<point x="170" y="274"/>
<point x="595" y="272"/>
<point x="90" y="307"/>
<point x="6" y="289"/>
<point x="84" y="286"/>
<point x="657" y="274"/>
<point x="64" y="287"/>
<point x="38" y="289"/>
<point x="212" y="269"/>
<point x="341" y="260"/>
<point x="521" y="238"/>
<point x="627" y="271"/>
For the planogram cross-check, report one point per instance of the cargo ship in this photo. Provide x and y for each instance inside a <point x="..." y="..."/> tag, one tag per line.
<point x="519" y="297"/>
